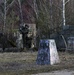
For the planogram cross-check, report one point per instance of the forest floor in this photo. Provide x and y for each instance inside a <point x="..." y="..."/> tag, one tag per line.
<point x="24" y="63"/>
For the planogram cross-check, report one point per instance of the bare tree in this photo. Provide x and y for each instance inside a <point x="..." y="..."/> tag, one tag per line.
<point x="4" y="16"/>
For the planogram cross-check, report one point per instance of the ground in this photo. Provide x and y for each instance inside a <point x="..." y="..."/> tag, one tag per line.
<point x="24" y="63"/>
<point x="62" y="72"/>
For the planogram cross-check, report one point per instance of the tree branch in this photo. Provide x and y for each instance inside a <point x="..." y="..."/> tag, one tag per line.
<point x="10" y="5"/>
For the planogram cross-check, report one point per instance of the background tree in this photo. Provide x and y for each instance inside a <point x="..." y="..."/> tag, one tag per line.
<point x="47" y="13"/>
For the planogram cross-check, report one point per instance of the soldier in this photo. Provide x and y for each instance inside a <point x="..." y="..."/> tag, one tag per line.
<point x="24" y="30"/>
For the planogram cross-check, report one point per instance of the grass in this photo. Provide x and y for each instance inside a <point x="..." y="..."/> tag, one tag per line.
<point x="24" y="63"/>
<point x="19" y="56"/>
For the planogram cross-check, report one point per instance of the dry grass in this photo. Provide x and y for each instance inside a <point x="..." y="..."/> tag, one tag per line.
<point x="24" y="63"/>
<point x="19" y="56"/>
